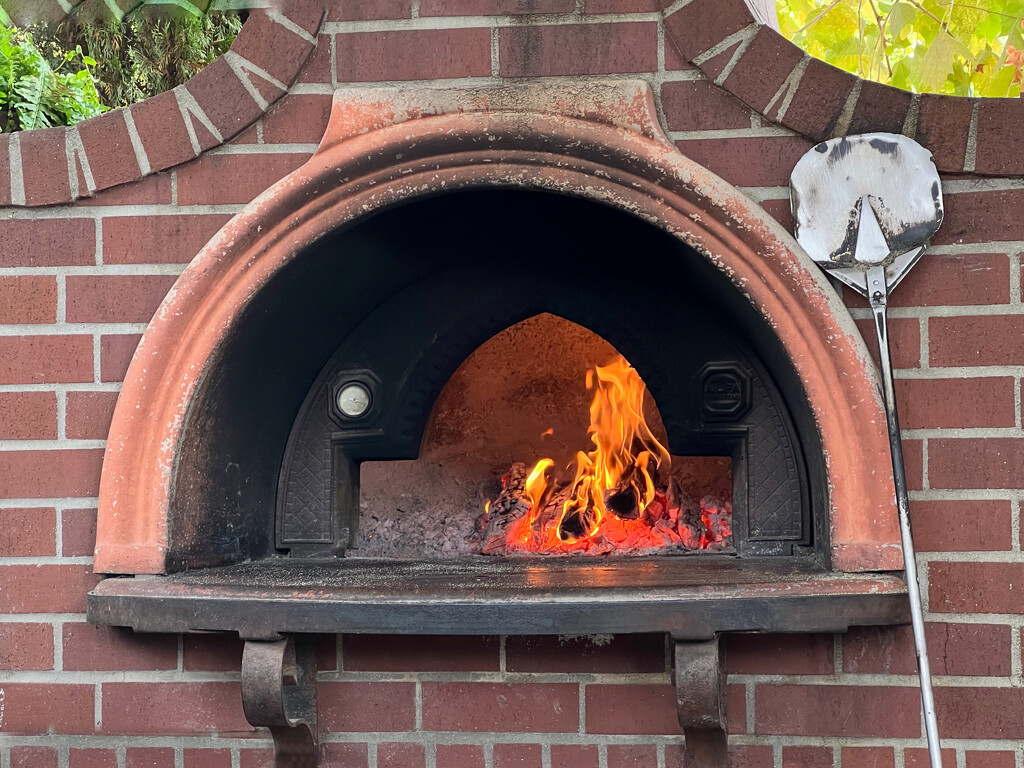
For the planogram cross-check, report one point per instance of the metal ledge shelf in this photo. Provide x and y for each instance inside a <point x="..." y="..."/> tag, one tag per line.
<point x="690" y="598"/>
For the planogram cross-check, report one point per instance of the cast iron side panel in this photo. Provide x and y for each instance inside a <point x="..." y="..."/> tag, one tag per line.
<point x="307" y="480"/>
<point x="774" y="511"/>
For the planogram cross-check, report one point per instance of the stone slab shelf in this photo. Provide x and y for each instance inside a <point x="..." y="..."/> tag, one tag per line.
<point x="687" y="597"/>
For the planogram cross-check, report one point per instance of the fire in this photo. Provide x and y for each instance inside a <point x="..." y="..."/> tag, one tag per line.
<point x="620" y="496"/>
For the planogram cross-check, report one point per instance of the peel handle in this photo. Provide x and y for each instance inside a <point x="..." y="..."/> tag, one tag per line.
<point x="877" y="294"/>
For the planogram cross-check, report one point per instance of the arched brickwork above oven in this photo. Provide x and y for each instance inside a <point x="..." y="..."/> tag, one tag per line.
<point x="58" y="165"/>
<point x="596" y="141"/>
<point x="789" y="87"/>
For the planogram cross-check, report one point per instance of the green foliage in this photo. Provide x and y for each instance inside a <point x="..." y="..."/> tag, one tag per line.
<point x="37" y="94"/>
<point x="960" y="47"/>
<point x="145" y="54"/>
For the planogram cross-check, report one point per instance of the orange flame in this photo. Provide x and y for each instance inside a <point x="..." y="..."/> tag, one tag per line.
<point x="619" y="473"/>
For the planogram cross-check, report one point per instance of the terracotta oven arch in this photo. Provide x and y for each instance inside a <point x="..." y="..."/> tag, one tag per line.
<point x="385" y="147"/>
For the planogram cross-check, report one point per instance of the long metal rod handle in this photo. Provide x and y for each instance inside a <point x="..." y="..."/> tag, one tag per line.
<point x="877" y="299"/>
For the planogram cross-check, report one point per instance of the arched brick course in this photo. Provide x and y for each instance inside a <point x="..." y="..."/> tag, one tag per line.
<point x="59" y="165"/>
<point x="789" y="87"/>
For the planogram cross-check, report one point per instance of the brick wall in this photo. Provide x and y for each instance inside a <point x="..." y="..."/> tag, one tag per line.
<point x="79" y="281"/>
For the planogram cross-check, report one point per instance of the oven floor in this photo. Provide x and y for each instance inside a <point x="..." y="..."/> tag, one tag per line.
<point x="689" y="597"/>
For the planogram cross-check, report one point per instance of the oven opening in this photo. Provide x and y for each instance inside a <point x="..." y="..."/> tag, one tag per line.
<point x="545" y="442"/>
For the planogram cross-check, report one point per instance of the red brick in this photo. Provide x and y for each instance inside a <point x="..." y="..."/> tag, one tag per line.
<point x="28" y="532"/>
<point x="880" y="108"/>
<point x="806" y="757"/>
<point x="223" y="179"/>
<point x="869" y="757"/>
<point x="980" y="217"/>
<point x="115" y="354"/>
<point x="736" y="708"/>
<point x="995" y="462"/>
<point x="92" y="758"/>
<point x="370" y="707"/>
<point x="157" y="239"/>
<point x="973" y="650"/>
<point x="976" y="587"/>
<point x="89" y="414"/>
<point x="37" y="708"/>
<point x="578" y="49"/>
<point x="779" y="654"/>
<point x="942" y="526"/>
<point x="421" y="653"/>
<point x="741" y="757"/>
<point x="297" y="119"/>
<point x="918" y="757"/>
<point x="904" y="340"/>
<point x="674" y="60"/>
<point x="28" y="415"/>
<point x="212" y="653"/>
<point x="33" y="757"/>
<point x="115" y="298"/>
<point x="50" y="474"/>
<point x="26" y="646"/>
<point x="44" y="166"/>
<point x="942" y="126"/>
<point x="44" y="588"/>
<point x="470" y="756"/>
<point x="620" y="6"/>
<point x="956" y="280"/>
<point x="222" y="95"/>
<point x="518" y="756"/>
<point x="401" y="755"/>
<point x="620" y="654"/>
<point x="87" y="648"/>
<point x="151" y="190"/>
<point x="347" y="756"/>
<point x="317" y="68"/>
<point x="365" y="10"/>
<point x="174" y="708"/>
<point x="61" y="242"/>
<point x="501" y="707"/>
<point x="1000" y="136"/>
<point x="818" y="101"/>
<point x="632" y="755"/>
<point x="45" y="359"/>
<point x="631" y="709"/>
<point x="573" y="756"/>
<point x="162" y="131"/>
<point x="980" y="713"/>
<point x="697" y="105"/>
<point x="756" y="162"/>
<point x="149" y="757"/>
<point x="494" y="7"/>
<point x="701" y="24"/>
<point x="26" y="299"/>
<point x="272" y="46"/>
<point x="987" y="759"/>
<point x="208" y="758"/>
<point x="763" y="69"/>
<point x="832" y="710"/>
<point x="78" y="537"/>
<point x="955" y="403"/>
<point x="109" y="149"/>
<point x="413" y="55"/>
<point x="913" y="462"/>
<point x="978" y="340"/>
<point x="780" y="211"/>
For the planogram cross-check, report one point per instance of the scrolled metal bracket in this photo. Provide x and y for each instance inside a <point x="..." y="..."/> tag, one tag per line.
<point x="699" y="677"/>
<point x="279" y="692"/>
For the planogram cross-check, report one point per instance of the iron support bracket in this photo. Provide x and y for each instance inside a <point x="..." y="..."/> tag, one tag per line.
<point x="699" y="677"/>
<point x="279" y="692"/>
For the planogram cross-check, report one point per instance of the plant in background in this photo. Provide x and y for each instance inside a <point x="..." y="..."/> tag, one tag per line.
<point x="960" y="47"/>
<point x="37" y="94"/>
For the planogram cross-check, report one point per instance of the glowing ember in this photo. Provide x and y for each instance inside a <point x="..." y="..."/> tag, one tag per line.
<point x="622" y="497"/>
